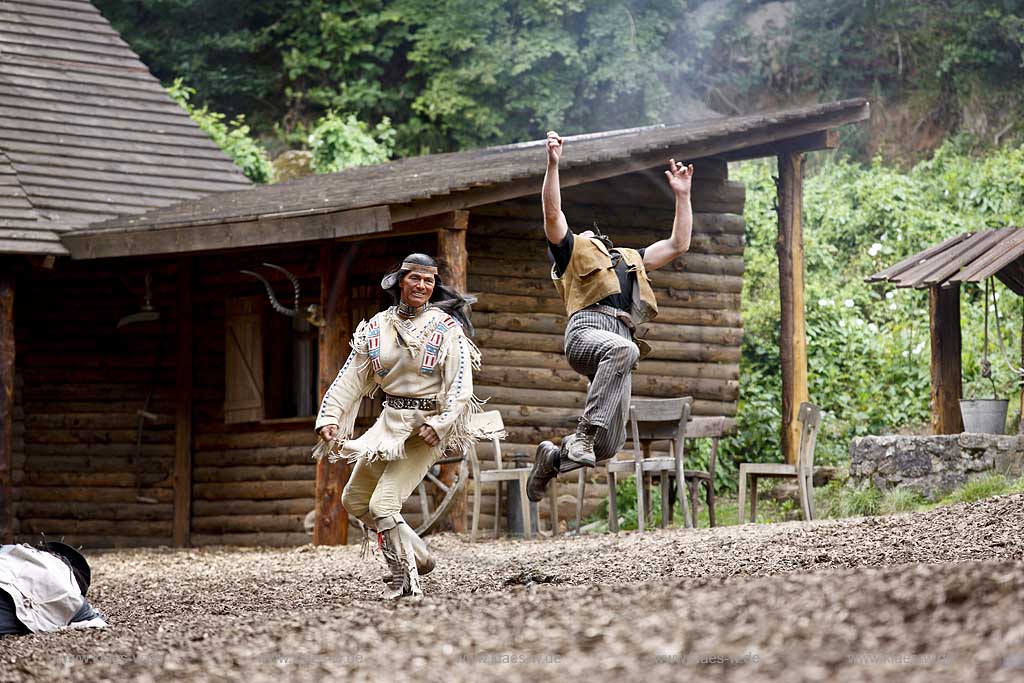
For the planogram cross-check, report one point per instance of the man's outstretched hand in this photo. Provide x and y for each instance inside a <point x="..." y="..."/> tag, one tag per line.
<point x="555" y="142"/>
<point x="679" y="177"/>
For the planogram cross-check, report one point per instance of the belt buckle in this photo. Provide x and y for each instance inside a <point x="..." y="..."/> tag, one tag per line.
<point x="408" y="403"/>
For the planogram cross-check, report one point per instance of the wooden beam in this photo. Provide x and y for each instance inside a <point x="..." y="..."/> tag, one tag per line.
<point x="183" y="408"/>
<point x="810" y="142"/>
<point x="450" y="220"/>
<point x="451" y="251"/>
<point x="947" y="383"/>
<point x="6" y="403"/>
<point x="792" y="332"/>
<point x="331" y="526"/>
<point x="266" y="231"/>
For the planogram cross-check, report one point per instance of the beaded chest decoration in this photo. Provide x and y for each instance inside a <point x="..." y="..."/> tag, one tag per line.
<point x="373" y="347"/>
<point x="434" y="344"/>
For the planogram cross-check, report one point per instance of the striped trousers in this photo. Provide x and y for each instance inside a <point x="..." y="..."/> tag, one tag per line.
<point x="601" y="348"/>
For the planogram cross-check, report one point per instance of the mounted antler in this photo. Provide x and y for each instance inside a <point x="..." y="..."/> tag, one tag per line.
<point x="312" y="313"/>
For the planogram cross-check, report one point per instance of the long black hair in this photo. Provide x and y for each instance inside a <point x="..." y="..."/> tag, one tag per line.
<point x="448" y="299"/>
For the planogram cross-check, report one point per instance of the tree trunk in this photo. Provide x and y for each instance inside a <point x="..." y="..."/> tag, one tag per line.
<point x="792" y="334"/>
<point x="451" y="250"/>
<point x="6" y="403"/>
<point x="183" y="409"/>
<point x="331" y="526"/>
<point x="947" y="384"/>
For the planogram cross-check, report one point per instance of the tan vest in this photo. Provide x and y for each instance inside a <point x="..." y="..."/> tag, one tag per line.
<point x="590" y="277"/>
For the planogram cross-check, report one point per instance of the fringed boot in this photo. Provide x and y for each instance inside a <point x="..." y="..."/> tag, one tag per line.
<point x="424" y="560"/>
<point x="403" y="578"/>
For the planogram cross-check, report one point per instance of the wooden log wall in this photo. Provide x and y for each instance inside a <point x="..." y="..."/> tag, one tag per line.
<point x="79" y="473"/>
<point x="520" y="320"/>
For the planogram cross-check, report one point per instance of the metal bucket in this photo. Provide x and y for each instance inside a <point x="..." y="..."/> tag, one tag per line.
<point x="984" y="415"/>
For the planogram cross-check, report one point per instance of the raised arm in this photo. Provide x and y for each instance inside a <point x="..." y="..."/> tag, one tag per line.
<point x="555" y="225"/>
<point x="664" y="251"/>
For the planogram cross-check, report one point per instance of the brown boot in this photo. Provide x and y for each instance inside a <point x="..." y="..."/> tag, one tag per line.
<point x="545" y="468"/>
<point x="580" y="447"/>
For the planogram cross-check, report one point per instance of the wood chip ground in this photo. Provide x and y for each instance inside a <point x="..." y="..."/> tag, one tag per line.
<point x="934" y="596"/>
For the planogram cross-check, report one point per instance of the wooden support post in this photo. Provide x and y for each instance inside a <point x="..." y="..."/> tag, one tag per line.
<point x="6" y="404"/>
<point x="1020" y="423"/>
<point x="792" y="333"/>
<point x="183" y="408"/>
<point x="331" y="527"/>
<point x="451" y="251"/>
<point x="947" y="383"/>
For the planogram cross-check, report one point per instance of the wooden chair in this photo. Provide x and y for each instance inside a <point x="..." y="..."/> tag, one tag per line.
<point x="713" y="428"/>
<point x="809" y="418"/>
<point x="650" y="419"/>
<point x="491" y="423"/>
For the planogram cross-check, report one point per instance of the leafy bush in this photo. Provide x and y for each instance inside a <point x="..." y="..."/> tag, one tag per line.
<point x="868" y="344"/>
<point x="232" y="136"/>
<point x="340" y="141"/>
<point x="625" y="505"/>
<point x="839" y="498"/>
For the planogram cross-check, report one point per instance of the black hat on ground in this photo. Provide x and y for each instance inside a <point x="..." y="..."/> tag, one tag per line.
<point x="80" y="568"/>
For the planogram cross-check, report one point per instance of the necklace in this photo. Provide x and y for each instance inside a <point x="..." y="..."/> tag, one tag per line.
<point x="407" y="311"/>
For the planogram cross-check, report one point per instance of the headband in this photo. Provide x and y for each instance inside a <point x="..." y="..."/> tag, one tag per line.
<point x="418" y="266"/>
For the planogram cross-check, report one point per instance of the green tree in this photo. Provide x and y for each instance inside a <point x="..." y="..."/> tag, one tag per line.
<point x="456" y="73"/>
<point x="341" y="141"/>
<point x="223" y="48"/>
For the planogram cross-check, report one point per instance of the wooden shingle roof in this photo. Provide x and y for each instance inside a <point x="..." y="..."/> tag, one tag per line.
<point x="426" y="185"/>
<point x="970" y="257"/>
<point x="86" y="132"/>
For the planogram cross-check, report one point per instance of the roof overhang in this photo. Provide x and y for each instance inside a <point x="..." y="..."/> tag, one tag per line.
<point x="264" y="231"/>
<point x="970" y="257"/>
<point x="205" y="225"/>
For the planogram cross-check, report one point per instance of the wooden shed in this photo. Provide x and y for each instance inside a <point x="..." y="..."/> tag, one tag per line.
<point x="941" y="269"/>
<point x="195" y="428"/>
<point x="86" y="134"/>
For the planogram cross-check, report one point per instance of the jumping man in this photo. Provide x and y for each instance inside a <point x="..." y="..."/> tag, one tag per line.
<point x="607" y="293"/>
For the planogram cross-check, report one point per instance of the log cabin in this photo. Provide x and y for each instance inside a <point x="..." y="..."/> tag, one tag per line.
<point x="152" y="394"/>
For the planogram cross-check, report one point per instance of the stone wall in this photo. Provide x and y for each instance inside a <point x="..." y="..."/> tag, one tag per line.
<point x="933" y="465"/>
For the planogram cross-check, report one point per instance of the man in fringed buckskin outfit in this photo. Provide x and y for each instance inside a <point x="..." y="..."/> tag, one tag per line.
<point x="419" y="352"/>
<point x="607" y="293"/>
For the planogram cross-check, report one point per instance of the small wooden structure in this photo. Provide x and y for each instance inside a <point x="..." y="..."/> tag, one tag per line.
<point x="86" y="134"/>
<point x="191" y="428"/>
<point x="969" y="257"/>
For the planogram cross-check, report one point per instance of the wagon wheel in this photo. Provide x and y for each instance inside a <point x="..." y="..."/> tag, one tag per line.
<point x="432" y="486"/>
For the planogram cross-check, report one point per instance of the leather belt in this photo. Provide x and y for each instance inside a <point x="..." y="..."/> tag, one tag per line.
<point x="622" y="315"/>
<point x="627" y="320"/>
<point x="407" y="403"/>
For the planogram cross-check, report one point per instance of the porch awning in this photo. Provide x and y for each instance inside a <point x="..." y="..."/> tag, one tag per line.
<point x="970" y="257"/>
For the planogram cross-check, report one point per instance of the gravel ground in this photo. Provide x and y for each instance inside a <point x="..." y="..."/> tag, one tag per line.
<point x="927" y="596"/>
